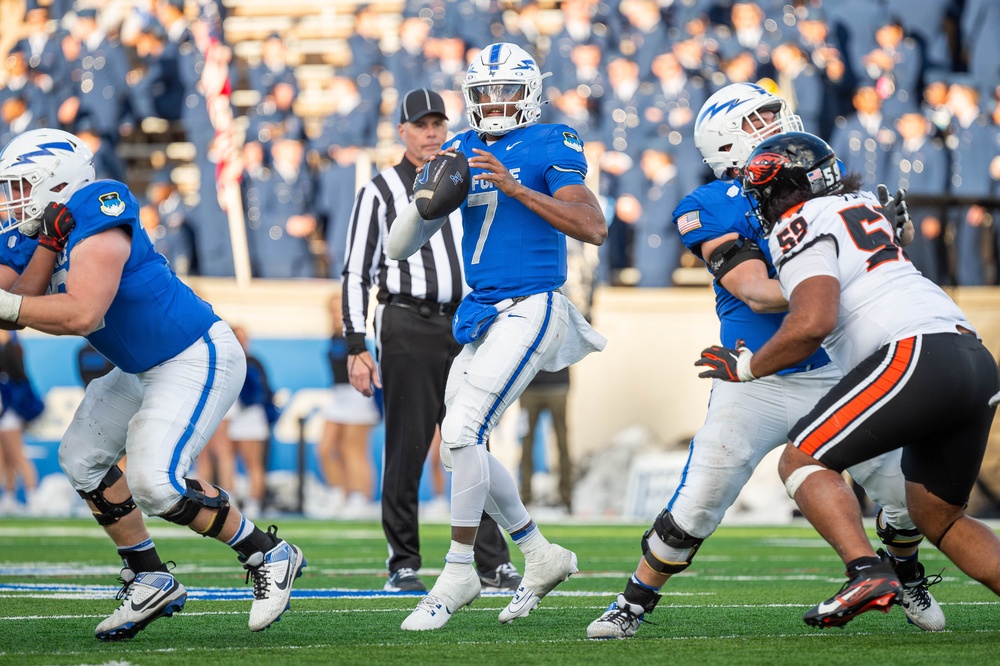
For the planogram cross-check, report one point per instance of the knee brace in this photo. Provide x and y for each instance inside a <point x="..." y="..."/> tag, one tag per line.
<point x="672" y="550"/>
<point x="106" y="512"/>
<point x="892" y="536"/>
<point x="193" y="501"/>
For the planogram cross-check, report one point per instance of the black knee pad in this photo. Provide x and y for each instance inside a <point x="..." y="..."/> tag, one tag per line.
<point x="892" y="536"/>
<point x="105" y="512"/>
<point x="193" y="501"/>
<point x="674" y="537"/>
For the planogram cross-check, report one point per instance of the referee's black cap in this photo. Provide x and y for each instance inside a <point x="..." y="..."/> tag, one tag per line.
<point x="418" y="103"/>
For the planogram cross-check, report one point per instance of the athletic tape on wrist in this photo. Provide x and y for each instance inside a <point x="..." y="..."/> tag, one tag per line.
<point x="743" y="365"/>
<point x="10" y="306"/>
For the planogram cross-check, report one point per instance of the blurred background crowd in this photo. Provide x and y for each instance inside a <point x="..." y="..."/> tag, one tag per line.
<point x="249" y="124"/>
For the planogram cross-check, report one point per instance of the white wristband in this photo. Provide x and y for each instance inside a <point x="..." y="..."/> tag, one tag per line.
<point x="743" y="365"/>
<point x="10" y="306"/>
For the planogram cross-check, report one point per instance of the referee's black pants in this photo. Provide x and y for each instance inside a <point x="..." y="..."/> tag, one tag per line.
<point x="415" y="354"/>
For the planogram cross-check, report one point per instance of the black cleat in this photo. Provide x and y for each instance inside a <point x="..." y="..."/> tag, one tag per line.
<point x="876" y="589"/>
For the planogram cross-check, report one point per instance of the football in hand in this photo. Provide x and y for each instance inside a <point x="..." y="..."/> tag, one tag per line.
<point x="442" y="186"/>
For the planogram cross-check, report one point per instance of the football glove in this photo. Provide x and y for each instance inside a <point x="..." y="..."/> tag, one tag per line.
<point x="57" y="222"/>
<point x="730" y="365"/>
<point x="894" y="209"/>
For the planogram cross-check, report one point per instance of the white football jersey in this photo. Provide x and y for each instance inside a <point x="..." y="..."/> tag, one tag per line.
<point x="883" y="297"/>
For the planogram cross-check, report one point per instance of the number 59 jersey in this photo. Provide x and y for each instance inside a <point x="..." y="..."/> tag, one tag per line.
<point x="883" y="297"/>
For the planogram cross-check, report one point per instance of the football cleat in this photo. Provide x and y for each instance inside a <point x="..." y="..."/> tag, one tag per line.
<point x="145" y="596"/>
<point x="921" y="608"/>
<point x="404" y="580"/>
<point x="621" y="620"/>
<point x="876" y="589"/>
<point x="273" y="573"/>
<point x="541" y="574"/>
<point x="457" y="586"/>
<point x="504" y="578"/>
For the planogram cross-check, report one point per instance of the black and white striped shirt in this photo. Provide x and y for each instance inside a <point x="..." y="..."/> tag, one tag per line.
<point x="433" y="274"/>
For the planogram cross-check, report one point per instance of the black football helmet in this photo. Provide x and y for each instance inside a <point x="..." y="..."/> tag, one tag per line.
<point x="785" y="170"/>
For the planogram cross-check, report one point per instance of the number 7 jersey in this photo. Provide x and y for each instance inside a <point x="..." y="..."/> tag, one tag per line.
<point x="883" y="297"/>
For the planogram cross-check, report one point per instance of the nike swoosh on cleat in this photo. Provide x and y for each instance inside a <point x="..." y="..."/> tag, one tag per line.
<point x="283" y="583"/>
<point x="148" y="602"/>
<point x="827" y="607"/>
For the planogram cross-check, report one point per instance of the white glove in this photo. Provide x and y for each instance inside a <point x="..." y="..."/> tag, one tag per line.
<point x="10" y="306"/>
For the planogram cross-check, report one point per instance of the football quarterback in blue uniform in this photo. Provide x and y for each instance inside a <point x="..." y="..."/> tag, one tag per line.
<point x="527" y="194"/>
<point x="178" y="369"/>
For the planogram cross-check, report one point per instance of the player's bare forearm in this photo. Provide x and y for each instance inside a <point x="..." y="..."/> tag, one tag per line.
<point x="573" y="210"/>
<point x="37" y="275"/>
<point x="749" y="283"/>
<point x="56" y="314"/>
<point x="812" y="315"/>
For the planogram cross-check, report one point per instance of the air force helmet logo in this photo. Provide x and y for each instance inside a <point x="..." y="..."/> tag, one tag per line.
<point x="111" y="204"/>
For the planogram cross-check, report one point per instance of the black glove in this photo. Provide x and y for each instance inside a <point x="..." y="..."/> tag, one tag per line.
<point x="731" y="365"/>
<point x="894" y="209"/>
<point x="57" y="222"/>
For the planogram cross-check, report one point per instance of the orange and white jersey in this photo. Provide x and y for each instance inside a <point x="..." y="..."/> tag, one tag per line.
<point x="883" y="298"/>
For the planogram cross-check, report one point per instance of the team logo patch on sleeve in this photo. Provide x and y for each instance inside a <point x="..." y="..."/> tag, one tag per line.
<point x="689" y="222"/>
<point x="573" y="141"/>
<point x="111" y="204"/>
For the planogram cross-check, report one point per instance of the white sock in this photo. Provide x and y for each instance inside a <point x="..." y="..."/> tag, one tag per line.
<point x="529" y="539"/>
<point x="459" y="553"/>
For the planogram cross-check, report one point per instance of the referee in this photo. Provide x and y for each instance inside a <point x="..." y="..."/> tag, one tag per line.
<point x="415" y="346"/>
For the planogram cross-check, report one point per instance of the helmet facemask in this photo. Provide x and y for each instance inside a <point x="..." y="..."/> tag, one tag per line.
<point x="502" y="77"/>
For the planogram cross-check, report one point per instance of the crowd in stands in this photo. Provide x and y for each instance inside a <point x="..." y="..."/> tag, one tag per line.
<point x="906" y="91"/>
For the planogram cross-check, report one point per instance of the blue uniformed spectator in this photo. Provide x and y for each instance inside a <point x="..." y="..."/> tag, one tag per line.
<point x="799" y="83"/>
<point x="927" y="22"/>
<point x="336" y="185"/>
<point x="278" y="238"/>
<point x="736" y="67"/>
<point x="407" y="64"/>
<point x="27" y="105"/>
<point x="748" y="30"/>
<point x="43" y="53"/>
<point x="972" y="149"/>
<point x="657" y="246"/>
<point x="578" y="28"/>
<point x="173" y="84"/>
<point x="163" y="216"/>
<point x="273" y="67"/>
<point x="934" y="104"/>
<point x="209" y="223"/>
<point x="275" y="116"/>
<point x="107" y="164"/>
<point x="582" y="71"/>
<point x="573" y="109"/>
<point x="102" y="88"/>
<point x="16" y="117"/>
<point x="353" y="123"/>
<point x="980" y="27"/>
<point x="863" y="139"/>
<point x="146" y="82"/>
<point x="920" y="162"/>
<point x="676" y="98"/>
<point x="644" y="34"/>
<point x="478" y="19"/>
<point x="446" y="63"/>
<point x="623" y="129"/>
<point x="896" y="65"/>
<point x="365" y="42"/>
<point x="995" y="175"/>
<point x="826" y="56"/>
<point x="852" y="23"/>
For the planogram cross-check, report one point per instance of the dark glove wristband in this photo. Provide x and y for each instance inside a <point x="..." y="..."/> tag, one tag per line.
<point x="356" y="344"/>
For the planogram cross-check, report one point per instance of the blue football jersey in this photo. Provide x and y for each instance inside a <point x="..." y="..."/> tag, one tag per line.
<point x="508" y="250"/>
<point x="154" y="316"/>
<point x="714" y="210"/>
<point x="16" y="250"/>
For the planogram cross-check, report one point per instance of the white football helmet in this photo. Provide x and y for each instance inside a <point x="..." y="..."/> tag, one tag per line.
<point x="719" y="132"/>
<point x="37" y="168"/>
<point x="503" y="75"/>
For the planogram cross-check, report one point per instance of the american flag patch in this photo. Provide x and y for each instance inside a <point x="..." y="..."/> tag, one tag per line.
<point x="688" y="222"/>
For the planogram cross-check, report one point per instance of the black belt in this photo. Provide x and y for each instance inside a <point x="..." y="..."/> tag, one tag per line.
<point x="424" y="307"/>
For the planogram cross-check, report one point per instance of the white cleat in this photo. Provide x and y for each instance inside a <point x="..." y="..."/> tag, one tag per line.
<point x="451" y="591"/>
<point x="621" y="620"/>
<point x="145" y="597"/>
<point x="541" y="574"/>
<point x="273" y="573"/>
<point x="920" y="606"/>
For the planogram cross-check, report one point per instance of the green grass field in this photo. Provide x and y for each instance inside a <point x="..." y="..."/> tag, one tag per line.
<point x="741" y="603"/>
